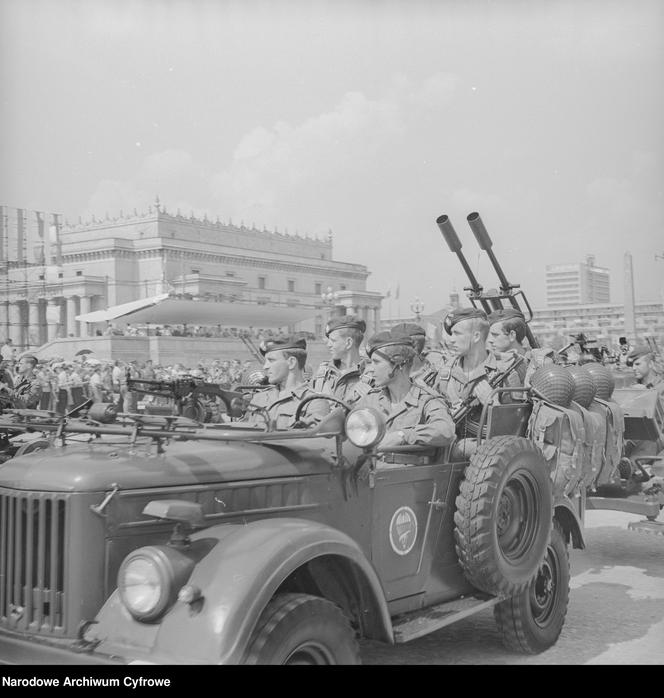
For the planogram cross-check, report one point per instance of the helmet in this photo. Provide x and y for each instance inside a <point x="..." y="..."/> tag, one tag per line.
<point x="554" y="383"/>
<point x="584" y="386"/>
<point x="603" y="379"/>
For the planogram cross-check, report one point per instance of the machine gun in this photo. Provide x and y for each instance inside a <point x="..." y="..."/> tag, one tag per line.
<point x="495" y="381"/>
<point x="186" y="392"/>
<point x="488" y="300"/>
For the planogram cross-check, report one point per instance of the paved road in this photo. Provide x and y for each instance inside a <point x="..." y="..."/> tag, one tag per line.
<point x="615" y="615"/>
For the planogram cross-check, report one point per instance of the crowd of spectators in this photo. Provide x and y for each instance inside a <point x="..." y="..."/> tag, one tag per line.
<point x="66" y="384"/>
<point x="184" y="330"/>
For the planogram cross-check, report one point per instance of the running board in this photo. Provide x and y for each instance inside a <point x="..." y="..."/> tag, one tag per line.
<point x="634" y="504"/>
<point x="418" y="623"/>
<point x="654" y="528"/>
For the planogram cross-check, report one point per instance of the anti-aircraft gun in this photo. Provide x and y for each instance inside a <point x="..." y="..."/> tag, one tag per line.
<point x="603" y="445"/>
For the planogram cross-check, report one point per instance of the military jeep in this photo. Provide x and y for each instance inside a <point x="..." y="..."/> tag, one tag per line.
<point x="162" y="540"/>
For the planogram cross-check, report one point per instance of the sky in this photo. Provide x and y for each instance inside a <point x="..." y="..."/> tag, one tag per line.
<point x="368" y="118"/>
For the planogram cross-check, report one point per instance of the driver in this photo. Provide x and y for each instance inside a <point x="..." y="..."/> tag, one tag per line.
<point x="285" y="359"/>
<point x="416" y="415"/>
<point x="26" y="394"/>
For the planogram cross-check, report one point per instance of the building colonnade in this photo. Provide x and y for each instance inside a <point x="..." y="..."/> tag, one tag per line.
<point x="35" y="321"/>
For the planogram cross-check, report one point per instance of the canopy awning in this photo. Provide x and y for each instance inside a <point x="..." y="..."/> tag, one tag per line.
<point x="164" y="310"/>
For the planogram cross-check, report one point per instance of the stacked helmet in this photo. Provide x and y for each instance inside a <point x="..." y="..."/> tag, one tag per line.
<point x="554" y="383"/>
<point x="584" y="386"/>
<point x="603" y="380"/>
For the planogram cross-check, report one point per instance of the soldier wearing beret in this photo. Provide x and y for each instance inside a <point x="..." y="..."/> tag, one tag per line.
<point x="27" y="390"/>
<point x="415" y="414"/>
<point x="342" y="376"/>
<point x="285" y="359"/>
<point x="642" y="359"/>
<point x="421" y="371"/>
<point x="467" y="375"/>
<point x="507" y="330"/>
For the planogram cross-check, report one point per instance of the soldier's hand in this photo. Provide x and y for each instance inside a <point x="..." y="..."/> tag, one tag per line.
<point x="482" y="391"/>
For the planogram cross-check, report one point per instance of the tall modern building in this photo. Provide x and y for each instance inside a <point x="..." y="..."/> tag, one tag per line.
<point x="576" y="284"/>
<point x="51" y="271"/>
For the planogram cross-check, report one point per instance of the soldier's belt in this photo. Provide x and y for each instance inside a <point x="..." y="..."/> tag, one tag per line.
<point x="405" y="458"/>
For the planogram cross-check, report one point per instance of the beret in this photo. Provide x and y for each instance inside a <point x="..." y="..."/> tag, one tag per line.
<point x="387" y="339"/>
<point x="281" y="343"/>
<point x="410" y="329"/>
<point x="351" y="321"/>
<point x="639" y="351"/>
<point x="505" y="314"/>
<point x="462" y="314"/>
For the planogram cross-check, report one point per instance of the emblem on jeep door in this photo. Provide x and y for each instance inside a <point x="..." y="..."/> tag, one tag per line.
<point x="403" y="530"/>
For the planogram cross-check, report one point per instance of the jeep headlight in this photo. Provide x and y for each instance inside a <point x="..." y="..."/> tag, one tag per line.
<point x="150" y="578"/>
<point x="365" y="427"/>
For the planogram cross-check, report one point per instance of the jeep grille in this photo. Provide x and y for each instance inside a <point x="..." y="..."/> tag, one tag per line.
<point x="32" y="557"/>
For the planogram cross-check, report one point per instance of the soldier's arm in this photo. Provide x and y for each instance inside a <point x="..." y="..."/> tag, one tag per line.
<point x="436" y="428"/>
<point x="26" y="400"/>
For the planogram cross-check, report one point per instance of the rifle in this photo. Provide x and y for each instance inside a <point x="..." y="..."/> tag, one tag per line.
<point x="507" y="289"/>
<point x="470" y="402"/>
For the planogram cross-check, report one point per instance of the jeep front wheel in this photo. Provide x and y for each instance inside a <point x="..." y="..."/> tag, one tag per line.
<point x="532" y="621"/>
<point x="300" y="629"/>
<point x="504" y="515"/>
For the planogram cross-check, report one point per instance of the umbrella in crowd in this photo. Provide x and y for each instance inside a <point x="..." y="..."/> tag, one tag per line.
<point x="83" y="352"/>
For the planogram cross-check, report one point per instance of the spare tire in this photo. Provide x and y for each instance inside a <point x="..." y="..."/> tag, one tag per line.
<point x="504" y="514"/>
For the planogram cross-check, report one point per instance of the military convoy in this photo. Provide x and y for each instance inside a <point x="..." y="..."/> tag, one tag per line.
<point x="159" y="539"/>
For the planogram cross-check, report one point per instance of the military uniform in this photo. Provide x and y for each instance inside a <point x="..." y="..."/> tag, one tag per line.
<point x="331" y="379"/>
<point x="282" y="406"/>
<point x="422" y="415"/>
<point x="26" y="394"/>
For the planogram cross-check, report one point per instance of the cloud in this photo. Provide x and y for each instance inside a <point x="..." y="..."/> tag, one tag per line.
<point x="172" y="174"/>
<point x="276" y="168"/>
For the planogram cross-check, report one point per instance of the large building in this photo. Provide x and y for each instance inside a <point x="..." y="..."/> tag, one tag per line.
<point x="604" y="322"/>
<point x="576" y="284"/>
<point x="51" y="272"/>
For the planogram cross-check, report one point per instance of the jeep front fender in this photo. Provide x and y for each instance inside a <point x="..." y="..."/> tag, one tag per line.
<point x="237" y="578"/>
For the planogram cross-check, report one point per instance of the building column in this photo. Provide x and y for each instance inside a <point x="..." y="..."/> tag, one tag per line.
<point x="84" y="327"/>
<point x="34" y="338"/>
<point x="4" y="319"/>
<point x="376" y="314"/>
<point x="15" y="325"/>
<point x="71" y="315"/>
<point x="53" y="318"/>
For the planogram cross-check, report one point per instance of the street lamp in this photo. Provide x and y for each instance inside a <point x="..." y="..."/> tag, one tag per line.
<point x="417" y="306"/>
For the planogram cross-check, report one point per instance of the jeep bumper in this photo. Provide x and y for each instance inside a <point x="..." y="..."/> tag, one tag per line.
<point x="16" y="649"/>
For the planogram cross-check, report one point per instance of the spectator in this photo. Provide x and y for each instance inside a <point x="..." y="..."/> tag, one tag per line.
<point x="8" y="351"/>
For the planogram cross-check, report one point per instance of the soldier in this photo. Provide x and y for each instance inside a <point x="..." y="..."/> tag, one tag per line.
<point x="467" y="375"/>
<point x="507" y="330"/>
<point x="26" y="392"/>
<point x="642" y="359"/>
<point x="416" y="415"/>
<point x="421" y="371"/>
<point x="343" y="375"/>
<point x="285" y="358"/>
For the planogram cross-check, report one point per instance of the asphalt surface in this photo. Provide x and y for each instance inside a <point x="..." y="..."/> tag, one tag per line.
<point x="615" y="614"/>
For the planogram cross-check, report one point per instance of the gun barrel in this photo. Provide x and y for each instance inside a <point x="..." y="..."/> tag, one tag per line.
<point x="453" y="242"/>
<point x="485" y="243"/>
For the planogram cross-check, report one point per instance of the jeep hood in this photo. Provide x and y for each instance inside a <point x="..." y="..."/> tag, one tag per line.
<point x="93" y="467"/>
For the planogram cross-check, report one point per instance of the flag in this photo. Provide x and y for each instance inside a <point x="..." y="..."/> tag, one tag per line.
<point x="396" y="293"/>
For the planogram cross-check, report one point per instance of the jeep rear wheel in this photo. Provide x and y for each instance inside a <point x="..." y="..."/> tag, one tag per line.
<point x="504" y="515"/>
<point x="299" y="629"/>
<point x="532" y="621"/>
